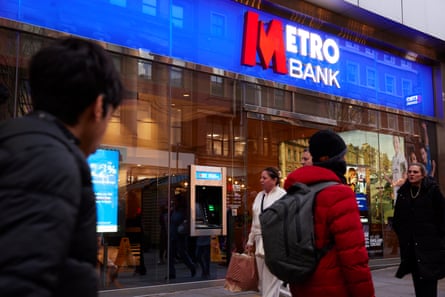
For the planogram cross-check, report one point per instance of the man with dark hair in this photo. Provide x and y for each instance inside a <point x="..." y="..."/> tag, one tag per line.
<point x="343" y="270"/>
<point x="306" y="158"/>
<point x="48" y="221"/>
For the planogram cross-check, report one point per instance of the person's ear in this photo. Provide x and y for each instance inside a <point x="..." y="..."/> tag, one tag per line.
<point x="98" y="108"/>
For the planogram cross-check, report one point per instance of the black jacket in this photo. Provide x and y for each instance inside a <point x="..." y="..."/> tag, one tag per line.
<point x="420" y="226"/>
<point x="48" y="212"/>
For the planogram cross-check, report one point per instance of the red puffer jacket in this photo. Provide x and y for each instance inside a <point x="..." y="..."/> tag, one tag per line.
<point x="344" y="270"/>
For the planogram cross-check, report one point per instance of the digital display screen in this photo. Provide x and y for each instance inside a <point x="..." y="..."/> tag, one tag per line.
<point x="208" y="175"/>
<point x="104" y="165"/>
<point x="212" y="33"/>
<point x="209" y="201"/>
<point x="362" y="202"/>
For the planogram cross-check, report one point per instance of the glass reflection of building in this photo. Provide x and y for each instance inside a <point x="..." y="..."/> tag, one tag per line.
<point x="178" y="113"/>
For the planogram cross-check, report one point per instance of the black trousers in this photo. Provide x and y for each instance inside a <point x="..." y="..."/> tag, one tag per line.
<point x="424" y="287"/>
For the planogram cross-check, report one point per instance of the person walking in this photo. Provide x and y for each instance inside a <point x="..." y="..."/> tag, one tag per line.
<point x="419" y="222"/>
<point x="203" y="255"/>
<point x="269" y="285"/>
<point x="178" y="237"/>
<point x="48" y="221"/>
<point x="343" y="271"/>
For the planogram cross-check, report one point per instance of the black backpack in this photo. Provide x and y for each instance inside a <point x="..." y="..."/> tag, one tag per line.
<point x="287" y="228"/>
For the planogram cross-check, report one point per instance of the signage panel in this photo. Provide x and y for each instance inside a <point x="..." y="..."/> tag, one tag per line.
<point x="205" y="175"/>
<point x="230" y="36"/>
<point x="104" y="166"/>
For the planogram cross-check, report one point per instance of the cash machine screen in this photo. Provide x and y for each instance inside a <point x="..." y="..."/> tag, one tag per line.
<point x="209" y="201"/>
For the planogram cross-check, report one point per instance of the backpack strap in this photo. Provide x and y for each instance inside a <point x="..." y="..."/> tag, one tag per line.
<point x="317" y="188"/>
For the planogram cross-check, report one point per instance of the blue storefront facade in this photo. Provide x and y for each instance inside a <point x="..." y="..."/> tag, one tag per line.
<point x="220" y="83"/>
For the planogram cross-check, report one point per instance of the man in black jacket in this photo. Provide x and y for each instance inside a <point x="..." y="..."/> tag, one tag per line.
<point x="48" y="211"/>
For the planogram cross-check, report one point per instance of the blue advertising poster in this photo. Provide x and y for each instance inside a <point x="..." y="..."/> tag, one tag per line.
<point x="230" y="36"/>
<point x="104" y="166"/>
<point x="361" y="201"/>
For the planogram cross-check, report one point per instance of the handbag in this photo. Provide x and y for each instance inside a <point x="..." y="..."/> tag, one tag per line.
<point x="242" y="273"/>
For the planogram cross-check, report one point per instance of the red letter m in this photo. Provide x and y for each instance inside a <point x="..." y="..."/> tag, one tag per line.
<point x="270" y="44"/>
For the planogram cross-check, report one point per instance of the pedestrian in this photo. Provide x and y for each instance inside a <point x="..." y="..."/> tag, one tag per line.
<point x="343" y="271"/>
<point x="203" y="255"/>
<point x="179" y="236"/>
<point x="48" y="221"/>
<point x="306" y="158"/>
<point x="419" y="222"/>
<point x="269" y="284"/>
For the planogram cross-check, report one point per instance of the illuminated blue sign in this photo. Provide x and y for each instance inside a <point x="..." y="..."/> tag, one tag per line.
<point x="208" y="175"/>
<point x="211" y="33"/>
<point x="104" y="166"/>
<point x="362" y="202"/>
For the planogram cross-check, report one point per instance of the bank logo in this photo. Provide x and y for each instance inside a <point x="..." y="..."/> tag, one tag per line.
<point x="413" y="100"/>
<point x="272" y="46"/>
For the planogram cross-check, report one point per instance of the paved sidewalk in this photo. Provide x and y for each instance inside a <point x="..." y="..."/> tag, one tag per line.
<point x="386" y="285"/>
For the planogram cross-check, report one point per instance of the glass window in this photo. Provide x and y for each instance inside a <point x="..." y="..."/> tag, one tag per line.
<point x="177" y="16"/>
<point x="407" y="88"/>
<point x="149" y="7"/>
<point x="122" y="3"/>
<point x="373" y="116"/>
<point x="279" y="99"/>
<point x="355" y="115"/>
<point x="176" y="77"/>
<point x="117" y="61"/>
<point x="352" y="72"/>
<point x="370" y="52"/>
<point x="217" y="24"/>
<point x="408" y="124"/>
<point x="144" y="69"/>
<point x="252" y="94"/>
<point x="390" y="84"/>
<point x="392" y="122"/>
<point x="240" y="146"/>
<point x="216" y="85"/>
<point x="217" y="137"/>
<point x="389" y="59"/>
<point x="176" y="125"/>
<point x="371" y="77"/>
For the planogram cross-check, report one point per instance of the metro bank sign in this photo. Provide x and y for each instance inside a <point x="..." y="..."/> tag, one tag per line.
<point x="271" y="48"/>
<point x="271" y="45"/>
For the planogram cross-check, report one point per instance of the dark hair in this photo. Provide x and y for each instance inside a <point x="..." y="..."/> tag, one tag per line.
<point x="273" y="173"/>
<point x="67" y="77"/>
<point x="421" y="166"/>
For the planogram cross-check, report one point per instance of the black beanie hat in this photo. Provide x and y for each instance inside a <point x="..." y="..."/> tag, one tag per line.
<point x="325" y="145"/>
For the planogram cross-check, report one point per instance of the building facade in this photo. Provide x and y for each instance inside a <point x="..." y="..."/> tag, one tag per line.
<point x="239" y="85"/>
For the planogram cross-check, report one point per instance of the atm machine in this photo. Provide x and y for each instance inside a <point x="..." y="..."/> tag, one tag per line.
<point x="207" y="200"/>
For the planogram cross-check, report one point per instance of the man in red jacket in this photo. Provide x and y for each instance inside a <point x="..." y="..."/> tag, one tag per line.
<point x="344" y="270"/>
